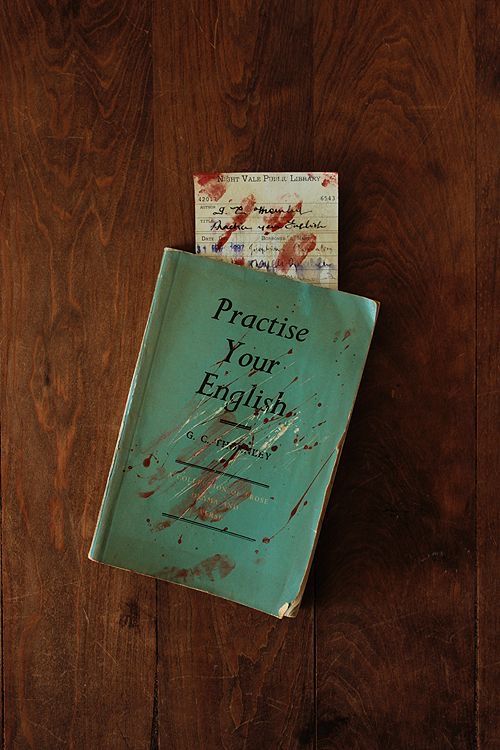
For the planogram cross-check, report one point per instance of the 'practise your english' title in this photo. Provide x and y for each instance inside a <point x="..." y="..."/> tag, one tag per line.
<point x="254" y="398"/>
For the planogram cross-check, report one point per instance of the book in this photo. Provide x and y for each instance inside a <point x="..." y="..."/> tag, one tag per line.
<point x="233" y="428"/>
<point x="275" y="222"/>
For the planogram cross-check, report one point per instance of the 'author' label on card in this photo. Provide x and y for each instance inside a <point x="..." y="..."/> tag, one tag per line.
<point x="279" y="222"/>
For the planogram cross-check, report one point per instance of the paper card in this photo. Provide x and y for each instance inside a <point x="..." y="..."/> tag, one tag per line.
<point x="279" y="222"/>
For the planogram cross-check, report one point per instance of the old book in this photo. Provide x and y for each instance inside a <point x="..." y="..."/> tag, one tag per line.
<point x="233" y="427"/>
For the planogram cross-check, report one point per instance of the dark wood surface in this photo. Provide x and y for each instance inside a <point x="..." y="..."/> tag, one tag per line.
<point x="108" y="109"/>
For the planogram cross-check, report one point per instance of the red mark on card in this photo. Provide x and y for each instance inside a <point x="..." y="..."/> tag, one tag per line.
<point x="247" y="206"/>
<point x="281" y="218"/>
<point x="145" y="495"/>
<point x="210" y="185"/>
<point x="330" y="178"/>
<point x="295" y="250"/>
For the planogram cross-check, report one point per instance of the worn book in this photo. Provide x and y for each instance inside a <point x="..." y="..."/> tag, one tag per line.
<point x="233" y="428"/>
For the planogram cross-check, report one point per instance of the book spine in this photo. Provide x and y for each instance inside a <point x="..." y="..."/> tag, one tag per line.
<point x="134" y="402"/>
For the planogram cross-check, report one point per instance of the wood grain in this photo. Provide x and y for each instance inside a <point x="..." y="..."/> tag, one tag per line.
<point x="79" y="661"/>
<point x="393" y="104"/>
<point x="109" y="109"/>
<point x="488" y="358"/>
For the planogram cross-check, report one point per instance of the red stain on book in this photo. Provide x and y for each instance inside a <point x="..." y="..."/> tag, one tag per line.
<point x="145" y="495"/>
<point x="162" y="525"/>
<point x="280" y="219"/>
<point x="310" y="447"/>
<point x="197" y="500"/>
<point x="198" y="490"/>
<point x="330" y="178"/>
<point x="219" y="565"/>
<point x="157" y="476"/>
<point x="240" y="490"/>
<point x="238" y="261"/>
<point x="247" y="206"/>
<point x="168" y="433"/>
<point x="210" y="185"/>
<point x="346" y="335"/>
<point x="241" y="447"/>
<point x="147" y="460"/>
<point x="295" y="250"/>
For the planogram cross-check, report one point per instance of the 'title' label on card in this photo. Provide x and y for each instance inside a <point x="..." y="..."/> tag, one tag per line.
<point x="279" y="222"/>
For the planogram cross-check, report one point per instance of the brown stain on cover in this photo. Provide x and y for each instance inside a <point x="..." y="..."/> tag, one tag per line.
<point x="162" y="525"/>
<point x="217" y="565"/>
<point x="158" y="475"/>
<point x="237" y="490"/>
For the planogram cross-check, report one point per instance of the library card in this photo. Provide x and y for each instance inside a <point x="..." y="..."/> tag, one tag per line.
<point x="278" y="222"/>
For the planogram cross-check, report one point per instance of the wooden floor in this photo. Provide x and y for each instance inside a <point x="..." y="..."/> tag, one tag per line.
<point x="107" y="110"/>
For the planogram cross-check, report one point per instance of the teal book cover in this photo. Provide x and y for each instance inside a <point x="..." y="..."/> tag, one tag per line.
<point x="233" y="427"/>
